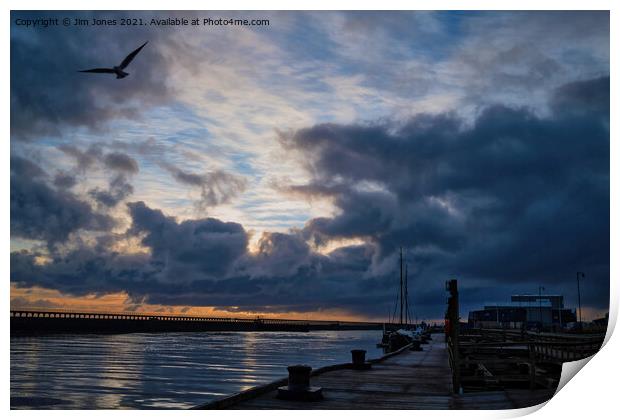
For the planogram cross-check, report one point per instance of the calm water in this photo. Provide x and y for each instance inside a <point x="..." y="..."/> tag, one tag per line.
<point x="174" y="370"/>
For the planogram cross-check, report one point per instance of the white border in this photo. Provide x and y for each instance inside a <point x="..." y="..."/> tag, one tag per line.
<point x="592" y="394"/>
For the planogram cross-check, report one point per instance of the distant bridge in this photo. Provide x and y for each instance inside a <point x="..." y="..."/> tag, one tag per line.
<point x="60" y="321"/>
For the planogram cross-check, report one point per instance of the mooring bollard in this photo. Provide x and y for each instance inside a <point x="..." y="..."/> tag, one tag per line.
<point x="298" y="387"/>
<point x="299" y="377"/>
<point x="359" y="360"/>
<point x="358" y="356"/>
<point x="415" y="345"/>
<point x="396" y="342"/>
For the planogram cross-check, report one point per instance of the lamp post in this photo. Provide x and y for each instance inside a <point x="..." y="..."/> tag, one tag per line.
<point x="579" y="275"/>
<point x="497" y="309"/>
<point x="560" y="305"/>
<point x="540" y="289"/>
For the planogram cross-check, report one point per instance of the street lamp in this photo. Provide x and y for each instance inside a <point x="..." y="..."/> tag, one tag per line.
<point x="540" y="289"/>
<point x="579" y="275"/>
<point x="560" y="305"/>
<point x="497" y="310"/>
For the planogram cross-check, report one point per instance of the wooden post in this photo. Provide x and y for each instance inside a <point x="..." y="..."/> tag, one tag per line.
<point x="453" y="319"/>
<point x="532" y="367"/>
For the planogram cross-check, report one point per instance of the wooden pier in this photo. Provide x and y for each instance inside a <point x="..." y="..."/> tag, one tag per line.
<point x="410" y="380"/>
<point x="468" y="370"/>
<point x="484" y="360"/>
<point x="60" y="321"/>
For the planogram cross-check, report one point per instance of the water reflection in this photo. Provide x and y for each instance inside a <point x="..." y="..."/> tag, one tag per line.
<point x="174" y="370"/>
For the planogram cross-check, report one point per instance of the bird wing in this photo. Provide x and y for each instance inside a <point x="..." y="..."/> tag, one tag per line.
<point x="97" y="71"/>
<point x="131" y="56"/>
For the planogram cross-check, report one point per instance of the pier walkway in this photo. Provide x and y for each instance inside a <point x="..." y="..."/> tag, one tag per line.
<point x="412" y="380"/>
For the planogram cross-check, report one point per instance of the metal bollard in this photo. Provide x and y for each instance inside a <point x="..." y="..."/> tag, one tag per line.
<point x="359" y="360"/>
<point x="415" y="345"/>
<point x="299" y="377"/>
<point x="298" y="388"/>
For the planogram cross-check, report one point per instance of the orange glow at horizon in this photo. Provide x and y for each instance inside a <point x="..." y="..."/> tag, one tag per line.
<point x="46" y="299"/>
<point x="38" y="298"/>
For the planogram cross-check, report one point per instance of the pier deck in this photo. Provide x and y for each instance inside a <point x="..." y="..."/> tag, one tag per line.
<point x="410" y="380"/>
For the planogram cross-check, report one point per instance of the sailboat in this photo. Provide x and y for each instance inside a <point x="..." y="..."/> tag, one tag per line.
<point x="404" y="333"/>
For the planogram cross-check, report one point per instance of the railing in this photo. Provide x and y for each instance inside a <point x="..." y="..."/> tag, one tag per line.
<point x="454" y="364"/>
<point x="452" y="334"/>
<point x="546" y="346"/>
<point x="482" y="347"/>
<point x="493" y="347"/>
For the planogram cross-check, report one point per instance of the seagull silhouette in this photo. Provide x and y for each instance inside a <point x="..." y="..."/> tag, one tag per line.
<point x="118" y="70"/>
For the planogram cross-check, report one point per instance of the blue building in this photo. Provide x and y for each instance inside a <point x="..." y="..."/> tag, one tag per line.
<point x="524" y="311"/>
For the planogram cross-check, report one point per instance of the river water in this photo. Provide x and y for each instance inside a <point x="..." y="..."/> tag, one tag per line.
<point x="165" y="370"/>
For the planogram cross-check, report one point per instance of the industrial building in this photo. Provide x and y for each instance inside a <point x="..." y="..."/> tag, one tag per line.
<point x="524" y="311"/>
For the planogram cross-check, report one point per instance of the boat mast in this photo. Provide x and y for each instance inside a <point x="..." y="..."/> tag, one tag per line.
<point x="406" y="297"/>
<point x="401" y="286"/>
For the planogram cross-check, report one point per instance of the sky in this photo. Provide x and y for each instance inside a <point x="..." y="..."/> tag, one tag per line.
<point x="278" y="169"/>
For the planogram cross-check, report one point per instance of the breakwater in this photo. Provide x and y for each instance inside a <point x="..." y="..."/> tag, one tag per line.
<point x="50" y="322"/>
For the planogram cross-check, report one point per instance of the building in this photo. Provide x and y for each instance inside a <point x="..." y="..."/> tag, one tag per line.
<point x="524" y="311"/>
<point x="601" y="322"/>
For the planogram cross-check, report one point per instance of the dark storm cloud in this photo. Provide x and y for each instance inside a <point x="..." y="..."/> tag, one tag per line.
<point x="41" y="212"/>
<point x="280" y="255"/>
<point x="87" y="158"/>
<point x="206" y="262"/>
<point x="84" y="159"/>
<point x="83" y="271"/>
<point x="47" y="92"/>
<point x="286" y="275"/>
<point x="121" y="165"/>
<point x="509" y="202"/>
<point x="26" y="168"/>
<point x="207" y="247"/>
<point x="583" y="97"/>
<point x="515" y="197"/>
<point x="21" y="302"/>
<point x="118" y="190"/>
<point x="121" y="162"/>
<point x="64" y="180"/>
<point x="217" y="187"/>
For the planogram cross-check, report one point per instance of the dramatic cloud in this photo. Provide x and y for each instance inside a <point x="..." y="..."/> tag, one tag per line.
<point x="203" y="248"/>
<point x="205" y="262"/>
<point x="478" y="141"/>
<point x="121" y="162"/>
<point x="43" y="213"/>
<point x="511" y="198"/>
<point x="48" y="94"/>
<point x="64" y="180"/>
<point x="84" y="271"/>
<point x="26" y="168"/>
<point x="217" y="187"/>
<point x="118" y="190"/>
<point x="84" y="159"/>
<point x="21" y="302"/>
<point x="114" y="161"/>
